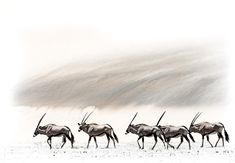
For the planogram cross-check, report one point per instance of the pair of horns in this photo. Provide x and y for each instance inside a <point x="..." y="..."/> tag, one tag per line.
<point x="195" y="118"/>
<point x="157" y="122"/>
<point x="85" y="118"/>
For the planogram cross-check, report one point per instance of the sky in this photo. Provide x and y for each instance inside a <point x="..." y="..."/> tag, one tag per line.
<point x="42" y="32"/>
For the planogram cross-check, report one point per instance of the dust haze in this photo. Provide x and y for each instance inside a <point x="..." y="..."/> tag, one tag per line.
<point x="190" y="76"/>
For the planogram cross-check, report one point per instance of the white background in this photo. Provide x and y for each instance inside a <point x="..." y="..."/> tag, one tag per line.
<point x="103" y="27"/>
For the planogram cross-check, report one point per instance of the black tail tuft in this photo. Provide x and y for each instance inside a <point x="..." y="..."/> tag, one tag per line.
<point x="72" y="137"/>
<point x="115" y="136"/>
<point x="226" y="135"/>
<point x="190" y="135"/>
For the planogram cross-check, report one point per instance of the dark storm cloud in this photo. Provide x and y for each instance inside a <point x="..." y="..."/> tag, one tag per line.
<point x="171" y="78"/>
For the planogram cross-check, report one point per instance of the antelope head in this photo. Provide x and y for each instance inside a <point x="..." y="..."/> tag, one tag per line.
<point x="36" y="132"/>
<point x="130" y="124"/>
<point x="193" y="127"/>
<point x="83" y="125"/>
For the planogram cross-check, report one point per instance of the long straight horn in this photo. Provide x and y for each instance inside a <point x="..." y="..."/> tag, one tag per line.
<point x="195" y="118"/>
<point x="84" y="117"/>
<point x="88" y="116"/>
<point x="160" y="118"/>
<point x="133" y="118"/>
<point x="40" y="120"/>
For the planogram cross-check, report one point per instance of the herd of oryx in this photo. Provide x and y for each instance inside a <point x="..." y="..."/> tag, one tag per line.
<point x="164" y="133"/>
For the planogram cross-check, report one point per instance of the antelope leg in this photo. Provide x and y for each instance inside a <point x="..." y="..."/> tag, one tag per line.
<point x="108" y="140"/>
<point x="113" y="141"/>
<point x="88" y="142"/>
<point x="63" y="140"/>
<point x="162" y="141"/>
<point x="155" y="138"/>
<point x="219" y="136"/>
<point x="70" y="139"/>
<point x="171" y="146"/>
<point x="95" y="142"/>
<point x="222" y="139"/>
<point x="202" y="140"/>
<point x="142" y="142"/>
<point x="181" y="141"/>
<point x="168" y="143"/>
<point x="138" y="141"/>
<point x="187" y="141"/>
<point x="49" y="142"/>
<point x="207" y="137"/>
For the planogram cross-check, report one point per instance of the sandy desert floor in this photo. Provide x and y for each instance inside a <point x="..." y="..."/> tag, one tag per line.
<point x="124" y="151"/>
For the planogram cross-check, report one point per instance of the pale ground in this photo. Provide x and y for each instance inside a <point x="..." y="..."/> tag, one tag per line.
<point x="126" y="151"/>
<point x="18" y="145"/>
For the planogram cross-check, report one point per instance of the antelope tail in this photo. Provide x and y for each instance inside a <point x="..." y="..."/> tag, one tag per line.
<point x="225" y="133"/>
<point x="71" y="135"/>
<point x="115" y="136"/>
<point x="190" y="135"/>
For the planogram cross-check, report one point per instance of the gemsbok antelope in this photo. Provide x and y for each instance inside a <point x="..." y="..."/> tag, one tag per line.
<point x="171" y="131"/>
<point x="143" y="130"/>
<point x="207" y="128"/>
<point x="52" y="130"/>
<point x="94" y="130"/>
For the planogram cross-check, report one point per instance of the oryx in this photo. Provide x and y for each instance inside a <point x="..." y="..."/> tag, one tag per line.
<point x="171" y="131"/>
<point x="207" y="128"/>
<point x="52" y="130"/>
<point x="94" y="130"/>
<point x="143" y="130"/>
